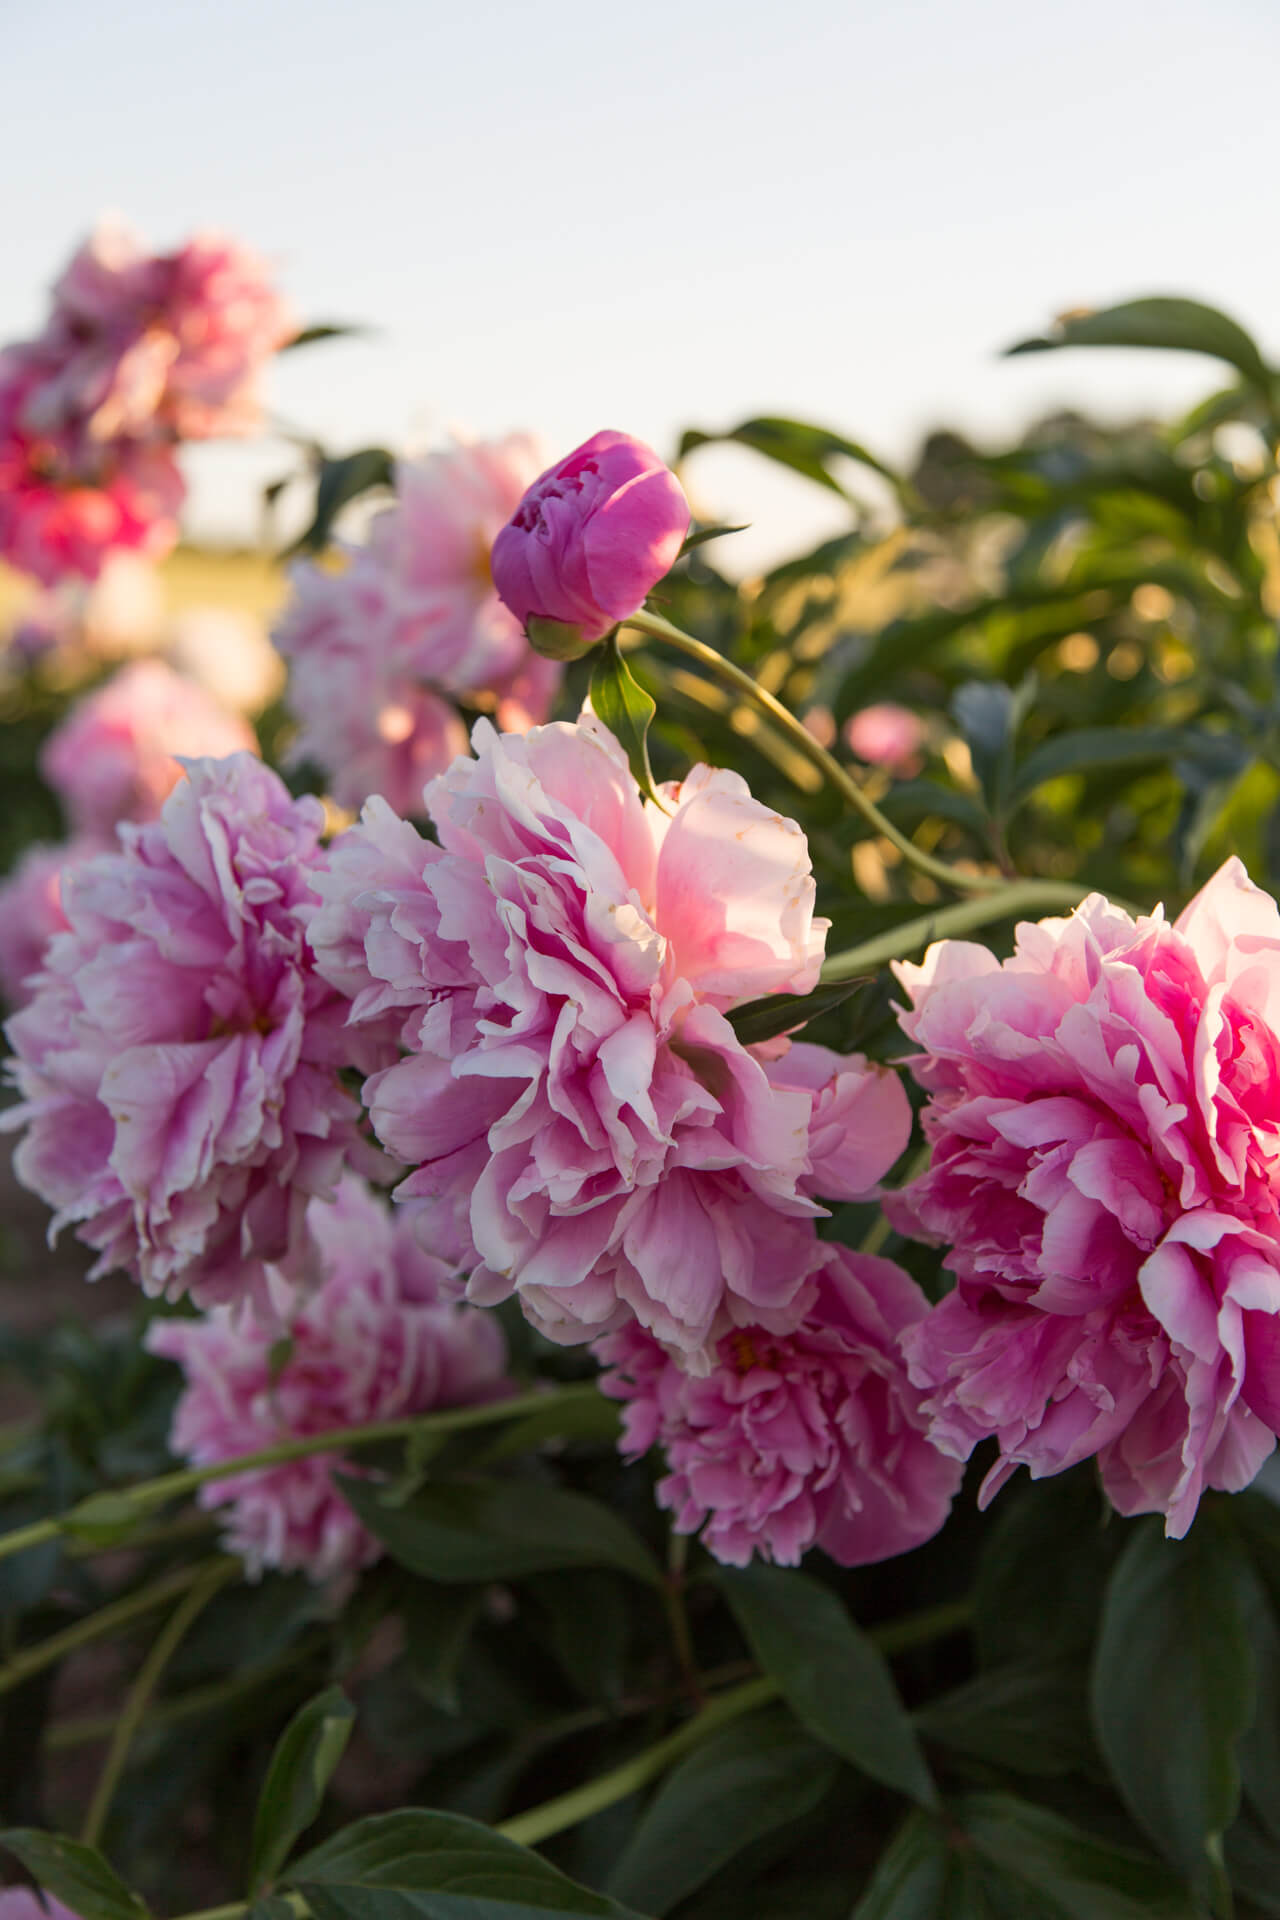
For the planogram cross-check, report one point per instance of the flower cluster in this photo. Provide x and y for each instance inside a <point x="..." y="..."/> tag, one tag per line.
<point x="179" y="1060"/>
<point x="1104" y="1110"/>
<point x="140" y="351"/>
<point x="382" y="652"/>
<point x="378" y="1336"/>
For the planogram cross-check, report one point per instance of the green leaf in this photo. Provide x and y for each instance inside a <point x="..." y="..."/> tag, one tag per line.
<point x="595" y="1419"/>
<point x="912" y="1880"/>
<point x="438" y="1623"/>
<point x="324" y="330"/>
<point x="416" y="1865"/>
<point x="1030" y="1717"/>
<point x="1043" y="1569"/>
<point x="77" y="1875"/>
<point x="776" y="1013"/>
<point x="1163" y="321"/>
<point x="832" y="1677"/>
<point x="1054" y="1867"/>
<point x="700" y="536"/>
<point x="1095" y="749"/>
<point x="989" y="714"/>
<point x="746" y="1780"/>
<point x="794" y="443"/>
<point x="306" y="1754"/>
<point x="338" y="483"/>
<point x="1173" y="1691"/>
<point x="589" y="1627"/>
<point x="499" y="1529"/>
<point x="621" y="703"/>
<point x="102" y="1519"/>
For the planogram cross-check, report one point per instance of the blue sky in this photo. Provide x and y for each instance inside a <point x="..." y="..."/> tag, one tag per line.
<point x="562" y="217"/>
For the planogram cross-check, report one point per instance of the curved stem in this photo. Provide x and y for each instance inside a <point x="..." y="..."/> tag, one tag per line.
<point x="964" y="916"/>
<point x="96" y="1626"/>
<point x="169" y="1486"/>
<point x="184" y="1614"/>
<point x="832" y="772"/>
<point x="567" y="1809"/>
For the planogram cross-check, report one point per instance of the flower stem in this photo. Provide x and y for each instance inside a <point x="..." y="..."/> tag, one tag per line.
<point x="146" y="1494"/>
<point x="830" y="768"/>
<point x="964" y="916"/>
<point x="97" y="1626"/>
<point x="184" y="1614"/>
<point x="568" y="1809"/>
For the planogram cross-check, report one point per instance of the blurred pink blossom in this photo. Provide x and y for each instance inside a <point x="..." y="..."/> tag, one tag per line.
<point x="31" y="910"/>
<point x="562" y="963"/>
<point x="887" y="736"/>
<point x="592" y="537"/>
<point x="381" y="652"/>
<point x="179" y="1060"/>
<point x="1105" y="1117"/>
<point x="24" y="1903"/>
<point x="809" y="1438"/>
<point x="378" y="1337"/>
<point x="112" y="757"/>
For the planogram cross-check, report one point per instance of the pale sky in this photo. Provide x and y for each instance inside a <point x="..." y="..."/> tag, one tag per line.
<point x="582" y="215"/>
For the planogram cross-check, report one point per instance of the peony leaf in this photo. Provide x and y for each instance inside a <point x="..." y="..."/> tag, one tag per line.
<point x="323" y="330"/>
<point x="306" y="1754"/>
<point x="338" y="482"/>
<point x="745" y="1781"/>
<point x="765" y="1019"/>
<point x="498" y="1530"/>
<point x="621" y="703"/>
<point x="796" y="444"/>
<point x="74" y="1873"/>
<point x="833" y="1679"/>
<point x="418" y="1865"/>
<point x="1161" y="320"/>
<point x="1173" y="1686"/>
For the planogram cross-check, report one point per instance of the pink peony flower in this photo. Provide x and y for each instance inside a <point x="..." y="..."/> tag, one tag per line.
<point x="380" y="652"/>
<point x="808" y="1438"/>
<point x="179" y="1059"/>
<point x="592" y="537"/>
<point x="24" y="1903"/>
<point x="887" y="736"/>
<point x="31" y="910"/>
<point x="68" y="500"/>
<point x="1105" y="1117"/>
<point x="562" y="964"/>
<point x="112" y="757"/>
<point x="380" y="1337"/>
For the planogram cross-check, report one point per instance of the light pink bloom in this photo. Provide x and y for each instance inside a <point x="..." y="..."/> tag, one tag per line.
<point x="382" y="653"/>
<point x="592" y="536"/>
<point x="179" y="1060"/>
<point x="23" y="1903"/>
<point x="31" y="910"/>
<point x="68" y="500"/>
<point x="808" y="1438"/>
<point x="214" y="300"/>
<point x="562" y="964"/>
<point x="112" y="757"/>
<point x="887" y="736"/>
<point x="1105" y="1118"/>
<point x="380" y="1337"/>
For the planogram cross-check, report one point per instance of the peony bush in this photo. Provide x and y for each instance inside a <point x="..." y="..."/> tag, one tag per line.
<point x="607" y="1129"/>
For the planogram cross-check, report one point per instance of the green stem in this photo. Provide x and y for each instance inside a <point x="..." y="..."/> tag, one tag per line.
<point x="673" y="1594"/>
<point x="182" y="1617"/>
<point x="831" y="770"/>
<point x="169" y="1486"/>
<point x="568" y="1809"/>
<point x="96" y="1626"/>
<point x="1022" y="897"/>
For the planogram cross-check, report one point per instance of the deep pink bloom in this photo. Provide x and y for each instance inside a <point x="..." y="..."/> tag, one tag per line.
<point x="382" y="652"/>
<point x="887" y="736"/>
<point x="378" y="1337"/>
<point x="113" y="757"/>
<point x="67" y="499"/>
<point x="179" y="1059"/>
<point x="31" y="910"/>
<point x="1105" y="1118"/>
<point x="562" y="963"/>
<point x="592" y="536"/>
<point x="808" y="1438"/>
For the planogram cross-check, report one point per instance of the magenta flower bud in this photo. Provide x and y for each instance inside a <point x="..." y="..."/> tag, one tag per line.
<point x="591" y="538"/>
